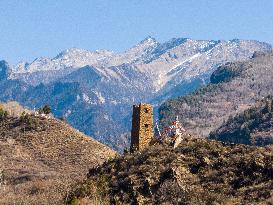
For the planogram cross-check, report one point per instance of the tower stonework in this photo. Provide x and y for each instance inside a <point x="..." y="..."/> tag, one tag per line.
<point x="142" y="127"/>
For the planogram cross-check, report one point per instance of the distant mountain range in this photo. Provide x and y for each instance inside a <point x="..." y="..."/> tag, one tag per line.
<point x="95" y="91"/>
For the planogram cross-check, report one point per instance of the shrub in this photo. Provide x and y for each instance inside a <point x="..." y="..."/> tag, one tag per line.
<point x="3" y="114"/>
<point x="28" y="120"/>
<point x="2" y="177"/>
<point x="62" y="119"/>
<point x="46" y="110"/>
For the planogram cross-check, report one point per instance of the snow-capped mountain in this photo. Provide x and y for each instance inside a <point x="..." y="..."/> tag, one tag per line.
<point x="94" y="90"/>
<point x="76" y="58"/>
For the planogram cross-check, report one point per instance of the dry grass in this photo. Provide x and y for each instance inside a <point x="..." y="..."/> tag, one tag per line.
<point x="40" y="164"/>
<point x="198" y="172"/>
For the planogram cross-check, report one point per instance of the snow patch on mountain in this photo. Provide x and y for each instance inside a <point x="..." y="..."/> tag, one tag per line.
<point x="188" y="60"/>
<point x="100" y="97"/>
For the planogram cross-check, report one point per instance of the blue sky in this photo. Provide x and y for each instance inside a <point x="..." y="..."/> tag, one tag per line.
<point x="34" y="28"/>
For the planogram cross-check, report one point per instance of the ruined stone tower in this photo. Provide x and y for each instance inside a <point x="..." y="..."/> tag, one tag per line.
<point x="142" y="127"/>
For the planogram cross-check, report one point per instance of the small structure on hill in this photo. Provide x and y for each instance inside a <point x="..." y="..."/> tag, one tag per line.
<point x="142" y="127"/>
<point x="172" y="133"/>
<point x="142" y="133"/>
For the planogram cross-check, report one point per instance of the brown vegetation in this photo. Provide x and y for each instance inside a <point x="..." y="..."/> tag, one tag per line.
<point x="199" y="171"/>
<point x="40" y="159"/>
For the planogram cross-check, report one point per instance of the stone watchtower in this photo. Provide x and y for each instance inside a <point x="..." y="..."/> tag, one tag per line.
<point x="142" y="127"/>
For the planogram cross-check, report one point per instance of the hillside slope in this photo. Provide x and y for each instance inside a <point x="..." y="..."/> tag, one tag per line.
<point x="40" y="159"/>
<point x="197" y="172"/>
<point x="254" y="126"/>
<point x="94" y="90"/>
<point x="234" y="88"/>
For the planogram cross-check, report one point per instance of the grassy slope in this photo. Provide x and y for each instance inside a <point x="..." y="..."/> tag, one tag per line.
<point x="39" y="165"/>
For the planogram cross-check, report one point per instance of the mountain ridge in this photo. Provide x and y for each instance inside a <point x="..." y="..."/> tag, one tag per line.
<point x="148" y="72"/>
<point x="235" y="87"/>
<point x="252" y="127"/>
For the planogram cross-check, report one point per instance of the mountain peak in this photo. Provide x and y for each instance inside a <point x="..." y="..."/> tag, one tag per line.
<point x="79" y="52"/>
<point x="70" y="51"/>
<point x="148" y="40"/>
